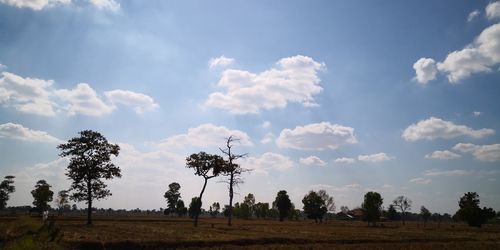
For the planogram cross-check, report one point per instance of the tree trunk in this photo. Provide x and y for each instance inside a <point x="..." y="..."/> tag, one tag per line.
<point x="403" y="217"/>
<point x="89" y="202"/>
<point x="229" y="218"/>
<point x="199" y="201"/>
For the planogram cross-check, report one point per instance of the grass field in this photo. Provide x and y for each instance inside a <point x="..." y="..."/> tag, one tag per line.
<point x="166" y="233"/>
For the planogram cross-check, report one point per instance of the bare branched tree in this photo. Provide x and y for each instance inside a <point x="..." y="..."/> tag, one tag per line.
<point x="233" y="172"/>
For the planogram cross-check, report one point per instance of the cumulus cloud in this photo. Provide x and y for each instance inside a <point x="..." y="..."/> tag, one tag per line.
<point x="83" y="100"/>
<point x="425" y="70"/>
<point x="455" y="172"/>
<point x="443" y="155"/>
<point x="19" y="132"/>
<point x="345" y="160"/>
<point x="312" y="161"/>
<point x="140" y="102"/>
<point x="204" y="135"/>
<point x="421" y="180"/>
<point x="493" y="10"/>
<point x="294" y="79"/>
<point x="473" y="15"/>
<point x="220" y="61"/>
<point x="266" y="124"/>
<point x="482" y="55"/>
<point x="36" y="5"/>
<point x="268" y="138"/>
<point x="316" y="136"/>
<point x="111" y="5"/>
<point x="379" y="157"/>
<point x="28" y="95"/>
<point x="488" y="153"/>
<point x="267" y="161"/>
<point x="433" y="128"/>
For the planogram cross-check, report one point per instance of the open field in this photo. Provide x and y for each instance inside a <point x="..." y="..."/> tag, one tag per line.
<point x="166" y="233"/>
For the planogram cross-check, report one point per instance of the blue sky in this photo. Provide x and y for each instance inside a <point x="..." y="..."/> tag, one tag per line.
<point x="346" y="96"/>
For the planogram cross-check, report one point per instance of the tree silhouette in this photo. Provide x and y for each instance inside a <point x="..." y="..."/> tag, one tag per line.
<point x="403" y="204"/>
<point x="471" y="212"/>
<point x="392" y="214"/>
<point x="233" y="171"/>
<point x="172" y="196"/>
<point x="261" y="209"/>
<point x="329" y="202"/>
<point x="62" y="201"/>
<point x="6" y="188"/>
<point x="314" y="206"/>
<point x="90" y="162"/>
<point x="283" y="204"/>
<point x="194" y="208"/>
<point x="372" y="205"/>
<point x="207" y="166"/>
<point x="214" y="209"/>
<point x="42" y="195"/>
<point x="425" y="213"/>
<point x="181" y="209"/>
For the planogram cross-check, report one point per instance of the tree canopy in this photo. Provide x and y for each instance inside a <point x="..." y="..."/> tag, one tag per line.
<point x="6" y="188"/>
<point x="42" y="195"/>
<point x="283" y="204"/>
<point x="314" y="206"/>
<point x="90" y="163"/>
<point x="172" y="195"/>
<point x="403" y="204"/>
<point x="372" y="206"/>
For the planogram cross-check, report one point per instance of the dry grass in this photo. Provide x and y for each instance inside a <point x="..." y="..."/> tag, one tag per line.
<point x="165" y="233"/>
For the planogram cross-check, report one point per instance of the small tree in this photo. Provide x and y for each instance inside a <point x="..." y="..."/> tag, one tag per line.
<point x="62" y="201"/>
<point x="249" y="200"/>
<point x="90" y="163"/>
<point x="283" y="204"/>
<point x="344" y="209"/>
<point x="403" y="204"/>
<point x="6" y="188"/>
<point x="425" y="213"/>
<point x="314" y="206"/>
<point x="329" y="201"/>
<point x="233" y="173"/>
<point x="261" y="209"/>
<point x="194" y="207"/>
<point x="214" y="209"/>
<point x="207" y="166"/>
<point x="181" y="209"/>
<point x="172" y="196"/>
<point x="392" y="214"/>
<point x="42" y="195"/>
<point x="372" y="205"/>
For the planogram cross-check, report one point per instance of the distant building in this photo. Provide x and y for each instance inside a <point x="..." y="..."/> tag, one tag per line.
<point x="357" y="213"/>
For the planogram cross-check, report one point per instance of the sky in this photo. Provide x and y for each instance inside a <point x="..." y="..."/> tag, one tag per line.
<point x="398" y="97"/>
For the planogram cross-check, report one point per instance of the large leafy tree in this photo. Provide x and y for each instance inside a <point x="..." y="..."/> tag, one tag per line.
<point x="471" y="212"/>
<point x="233" y="172"/>
<point x="372" y="205"/>
<point x="90" y="163"/>
<point x="6" y="188"/>
<point x="403" y="204"/>
<point x="42" y="195"/>
<point x="172" y="195"/>
<point x="314" y="206"/>
<point x="283" y="204"/>
<point x="207" y="166"/>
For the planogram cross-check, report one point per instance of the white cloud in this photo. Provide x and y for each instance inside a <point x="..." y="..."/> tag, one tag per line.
<point x="28" y="95"/>
<point x="316" y="136"/>
<point x="294" y="80"/>
<point x="268" y="138"/>
<point x="480" y="56"/>
<point x="220" y="61"/>
<point x="111" y="5"/>
<point x="379" y="157"/>
<point x="456" y="172"/>
<point x="425" y="70"/>
<point x="312" y="161"/>
<point x="443" y="155"/>
<point x="83" y="100"/>
<point x="420" y="180"/>
<point x="19" y="132"/>
<point x="473" y="15"/>
<point x="433" y="128"/>
<point x="489" y="153"/>
<point x="2" y="66"/>
<point x="345" y="160"/>
<point x="493" y="10"/>
<point x="204" y="135"/>
<point x="139" y="101"/>
<point x="476" y="113"/>
<point x="266" y="124"/>
<point x="267" y="161"/>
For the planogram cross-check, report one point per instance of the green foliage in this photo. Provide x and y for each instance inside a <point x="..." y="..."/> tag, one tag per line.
<point x="283" y="204"/>
<point x="261" y="210"/>
<point x="314" y="206"/>
<point x="172" y="196"/>
<point x="471" y="212"/>
<point x="181" y="209"/>
<point x="90" y="163"/>
<point x="42" y="195"/>
<point x="372" y="206"/>
<point x="6" y="188"/>
<point x="194" y="207"/>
